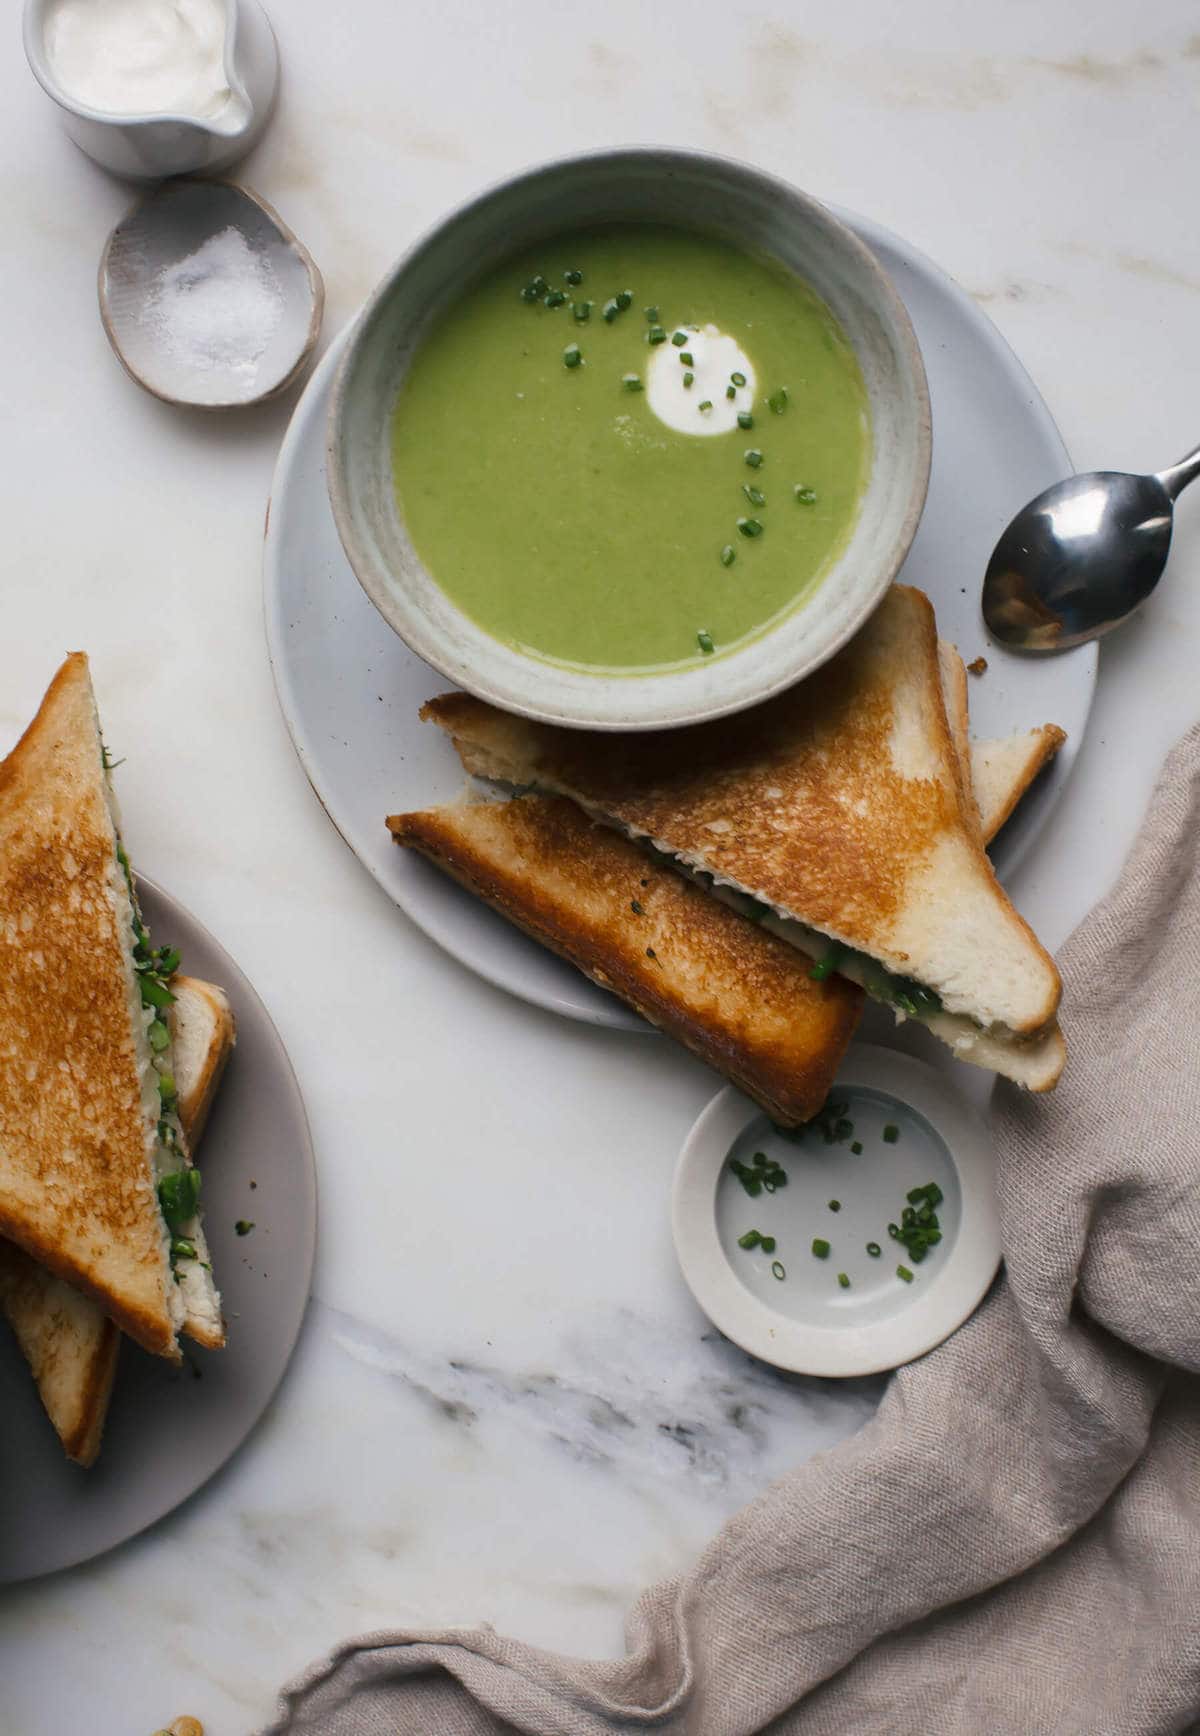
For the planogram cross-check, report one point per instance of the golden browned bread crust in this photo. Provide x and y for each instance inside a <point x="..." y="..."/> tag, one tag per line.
<point x="76" y="1189"/>
<point x="839" y="803"/>
<point x="736" y="996"/>
<point x="71" y="1347"/>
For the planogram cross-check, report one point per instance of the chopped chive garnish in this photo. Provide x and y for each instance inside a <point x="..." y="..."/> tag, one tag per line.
<point x="891" y="1133"/>
<point x="610" y="310"/>
<point x="730" y="392"/>
<point x="835" y="1205"/>
<point x="631" y="382"/>
<point x="572" y="356"/>
<point x="753" y="457"/>
<point x="894" y="1231"/>
<point x="778" y="401"/>
<point x="738" y="379"/>
<point x="820" y="1247"/>
<point x="767" y="1244"/>
<point x="679" y="339"/>
<point x="706" y="404"/>
<point x="751" y="1239"/>
<point x="843" y="1280"/>
<point x="874" y="1250"/>
<point x="750" y="526"/>
<point x="843" y="1128"/>
<point x="903" y="1272"/>
<point x="582" y="311"/>
<point x="755" y="496"/>
<point x="651" y="314"/>
<point x="856" y="1147"/>
<point x="244" y="1226"/>
<point x="688" y="379"/>
<point x="572" y="277"/>
<point x="704" y="640"/>
<point x="778" y="1269"/>
<point x="530" y="294"/>
<point x="745" y="419"/>
<point x="687" y="358"/>
<point x="555" y="297"/>
<point x="623" y="299"/>
<point x="805" y="495"/>
<point x="656" y="335"/>
<point x="728" y="555"/>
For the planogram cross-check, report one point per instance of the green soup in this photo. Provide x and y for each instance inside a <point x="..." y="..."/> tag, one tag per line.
<point x="631" y="448"/>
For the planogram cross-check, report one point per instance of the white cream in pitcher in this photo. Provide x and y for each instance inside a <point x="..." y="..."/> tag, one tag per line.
<point x="141" y="56"/>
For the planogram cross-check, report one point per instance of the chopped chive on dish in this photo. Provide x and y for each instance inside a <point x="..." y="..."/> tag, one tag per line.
<point x="874" y="1250"/>
<point x="679" y="339"/>
<point x="750" y="526"/>
<point x="820" y="1247"/>
<point x="753" y="457"/>
<point x="728" y="555"/>
<point x="805" y="495"/>
<point x="778" y="1270"/>
<point x="755" y="496"/>
<point x="843" y="1280"/>
<point x="572" y="277"/>
<point x="904" y="1273"/>
<point x="891" y="1133"/>
<point x="572" y="356"/>
<point x="632" y="382"/>
<point x="704" y="640"/>
<point x="745" y="419"/>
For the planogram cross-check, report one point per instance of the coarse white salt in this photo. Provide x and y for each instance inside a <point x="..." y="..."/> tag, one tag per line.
<point x="218" y="308"/>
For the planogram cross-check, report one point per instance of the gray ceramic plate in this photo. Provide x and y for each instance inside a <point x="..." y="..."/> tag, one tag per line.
<point x="350" y="688"/>
<point x="168" y="1430"/>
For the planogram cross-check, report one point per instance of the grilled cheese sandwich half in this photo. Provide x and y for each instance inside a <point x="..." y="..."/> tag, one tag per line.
<point x="843" y="810"/>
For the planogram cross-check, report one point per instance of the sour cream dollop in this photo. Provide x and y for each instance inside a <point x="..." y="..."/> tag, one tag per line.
<point x="715" y="359"/>
<point x="132" y="57"/>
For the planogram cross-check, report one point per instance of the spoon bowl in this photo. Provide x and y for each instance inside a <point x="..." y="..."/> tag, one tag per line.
<point x="1082" y="557"/>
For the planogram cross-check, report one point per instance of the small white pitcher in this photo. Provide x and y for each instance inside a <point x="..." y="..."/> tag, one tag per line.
<point x="148" y="147"/>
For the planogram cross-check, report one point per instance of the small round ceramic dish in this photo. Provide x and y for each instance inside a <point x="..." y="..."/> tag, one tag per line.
<point x="207" y="297"/>
<point x="821" y="1300"/>
<point x="737" y="204"/>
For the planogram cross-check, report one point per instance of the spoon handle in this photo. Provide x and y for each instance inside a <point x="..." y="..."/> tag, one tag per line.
<point x="1179" y="475"/>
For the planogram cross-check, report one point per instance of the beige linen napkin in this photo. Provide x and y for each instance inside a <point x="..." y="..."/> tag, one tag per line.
<point x="1012" y="1544"/>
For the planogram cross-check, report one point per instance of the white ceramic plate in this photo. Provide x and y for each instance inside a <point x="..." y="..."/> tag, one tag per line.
<point x="350" y="688"/>
<point x="169" y="1429"/>
<point x="787" y="1305"/>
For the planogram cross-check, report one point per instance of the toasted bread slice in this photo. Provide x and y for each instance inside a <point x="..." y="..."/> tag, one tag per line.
<point x="838" y="805"/>
<point x="204" y="1032"/>
<point x="78" y="1090"/>
<point x="954" y="692"/>
<point x="1003" y="770"/>
<point x="735" y="995"/>
<point x="71" y="1347"/>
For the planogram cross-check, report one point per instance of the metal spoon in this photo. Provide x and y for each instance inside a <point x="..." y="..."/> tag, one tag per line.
<point x="1079" y="559"/>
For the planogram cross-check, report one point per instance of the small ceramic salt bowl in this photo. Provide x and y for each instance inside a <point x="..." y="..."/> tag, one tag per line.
<point x="207" y="297"/>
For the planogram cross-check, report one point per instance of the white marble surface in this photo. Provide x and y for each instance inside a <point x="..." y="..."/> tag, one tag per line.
<point x="504" y="1405"/>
